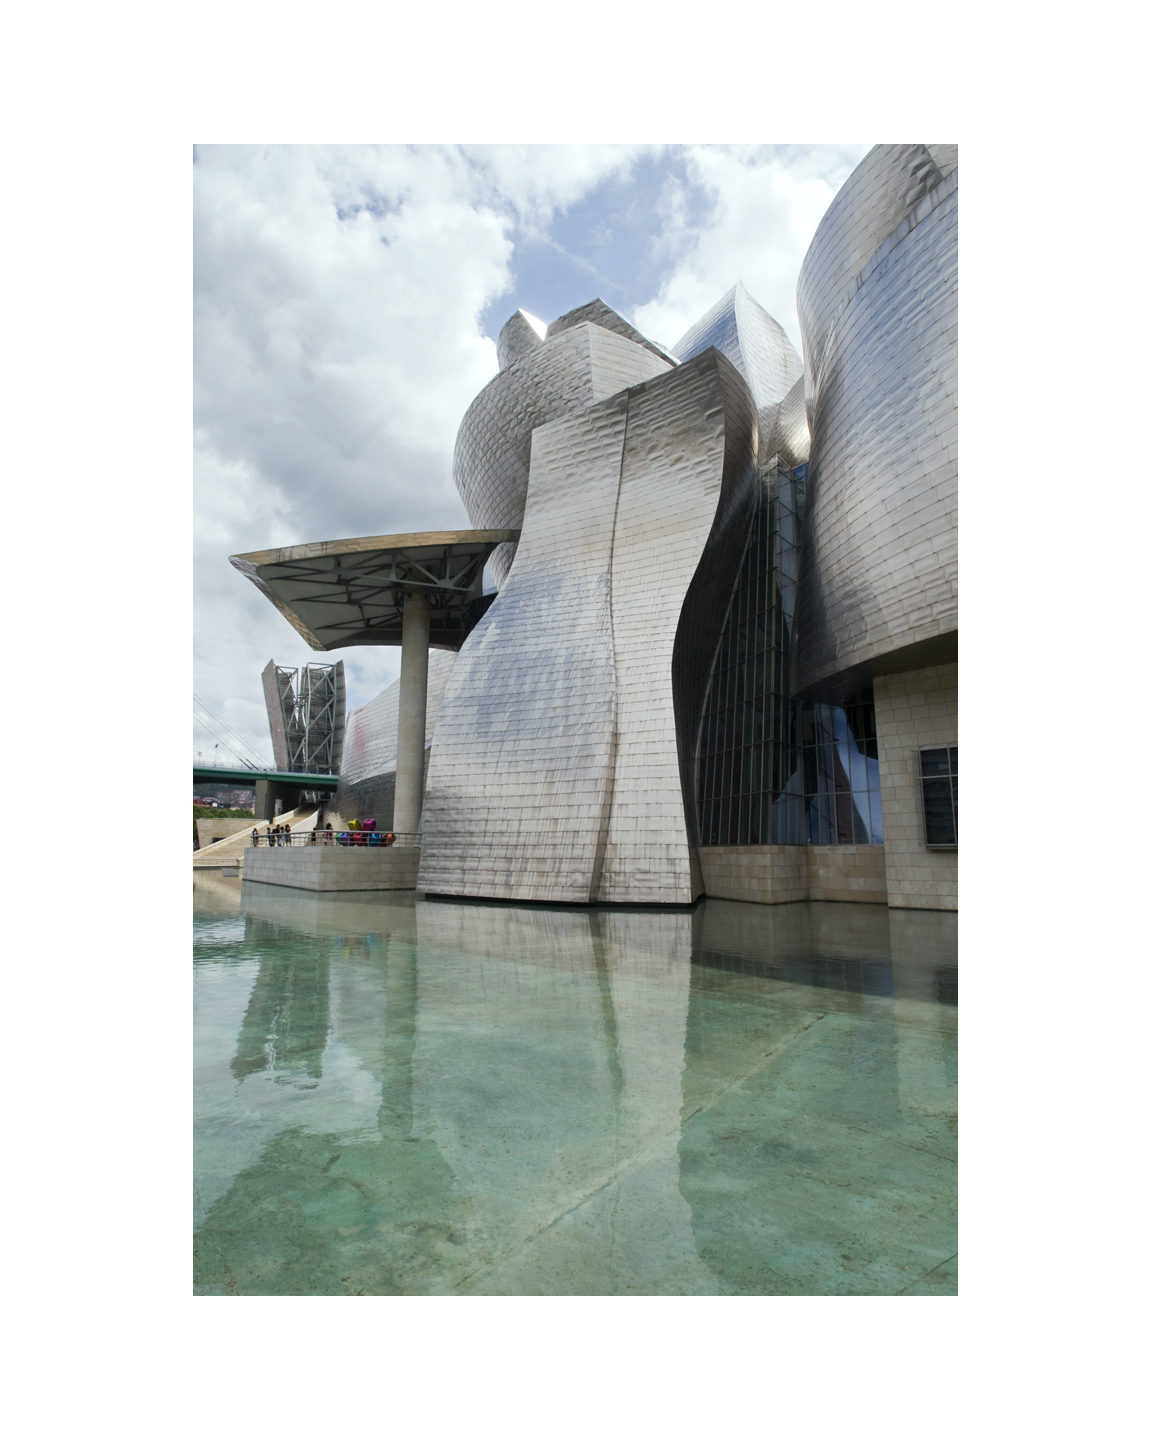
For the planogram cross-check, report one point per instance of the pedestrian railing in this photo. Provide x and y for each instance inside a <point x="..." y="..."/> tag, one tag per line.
<point x="376" y="839"/>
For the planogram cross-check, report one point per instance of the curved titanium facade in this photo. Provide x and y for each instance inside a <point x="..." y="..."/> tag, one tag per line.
<point x="877" y="303"/>
<point x="742" y="329"/>
<point x="563" y="754"/>
<point x="575" y="367"/>
<point x="368" y="772"/>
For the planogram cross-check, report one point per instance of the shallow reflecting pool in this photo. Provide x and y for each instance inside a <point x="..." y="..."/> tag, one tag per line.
<point x="403" y="1097"/>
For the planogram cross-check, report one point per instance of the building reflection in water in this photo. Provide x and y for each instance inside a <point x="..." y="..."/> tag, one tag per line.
<point x="572" y="1100"/>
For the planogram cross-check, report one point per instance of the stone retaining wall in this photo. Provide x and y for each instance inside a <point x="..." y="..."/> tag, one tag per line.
<point x="334" y="867"/>
<point x="776" y="874"/>
<point x="209" y="830"/>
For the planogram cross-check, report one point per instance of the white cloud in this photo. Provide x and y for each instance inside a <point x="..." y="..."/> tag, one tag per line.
<point x="338" y="304"/>
<point x="766" y="204"/>
<point x="338" y="299"/>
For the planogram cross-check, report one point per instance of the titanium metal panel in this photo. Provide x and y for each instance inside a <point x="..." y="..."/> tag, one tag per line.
<point x="556" y="772"/>
<point x="519" y="781"/>
<point x="788" y="439"/>
<point x="571" y="370"/>
<point x="370" y="746"/>
<point x="518" y="338"/>
<point x="597" y="313"/>
<point x="890" y="181"/>
<point x="878" y="581"/>
<point x="743" y="331"/>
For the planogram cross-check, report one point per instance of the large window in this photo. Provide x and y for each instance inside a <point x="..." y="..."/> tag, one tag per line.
<point x="770" y="770"/>
<point x="939" y="781"/>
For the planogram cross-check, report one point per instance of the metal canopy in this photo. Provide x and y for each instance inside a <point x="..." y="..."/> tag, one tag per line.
<point x="351" y="592"/>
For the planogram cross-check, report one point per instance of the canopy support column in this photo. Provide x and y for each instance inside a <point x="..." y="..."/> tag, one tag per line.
<point x="413" y="714"/>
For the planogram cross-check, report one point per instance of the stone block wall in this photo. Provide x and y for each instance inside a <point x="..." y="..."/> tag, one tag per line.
<point x="777" y="874"/>
<point x="334" y="867"/>
<point x="209" y="830"/>
<point x="847" y="872"/>
<point x="913" y="709"/>
<point x="768" y="874"/>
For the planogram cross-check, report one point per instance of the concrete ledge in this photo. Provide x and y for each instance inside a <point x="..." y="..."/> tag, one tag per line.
<point x="781" y="874"/>
<point x="333" y="867"/>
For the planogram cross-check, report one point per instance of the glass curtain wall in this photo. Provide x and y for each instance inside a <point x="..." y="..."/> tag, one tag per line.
<point x="771" y="770"/>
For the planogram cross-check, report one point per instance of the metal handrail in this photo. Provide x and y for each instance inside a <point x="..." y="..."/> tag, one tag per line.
<point x="375" y="839"/>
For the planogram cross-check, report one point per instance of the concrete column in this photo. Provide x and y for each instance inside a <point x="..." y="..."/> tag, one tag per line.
<point x="265" y="806"/>
<point x="413" y="714"/>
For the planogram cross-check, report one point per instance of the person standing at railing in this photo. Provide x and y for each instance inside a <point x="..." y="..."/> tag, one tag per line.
<point x="255" y="836"/>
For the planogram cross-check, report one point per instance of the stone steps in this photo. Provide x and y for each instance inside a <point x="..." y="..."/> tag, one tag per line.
<point x="231" y="851"/>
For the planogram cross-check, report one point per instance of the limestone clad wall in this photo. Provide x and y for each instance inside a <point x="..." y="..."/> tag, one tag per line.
<point x="914" y="709"/>
<point x="767" y="874"/>
<point x="778" y="874"/>
<point x="209" y="830"/>
<point x="847" y="872"/>
<point x="333" y="867"/>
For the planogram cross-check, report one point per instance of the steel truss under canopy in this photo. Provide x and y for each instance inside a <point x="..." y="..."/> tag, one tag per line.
<point x="351" y="592"/>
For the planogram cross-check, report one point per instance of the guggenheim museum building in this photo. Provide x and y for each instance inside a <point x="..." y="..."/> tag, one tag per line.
<point x="718" y="651"/>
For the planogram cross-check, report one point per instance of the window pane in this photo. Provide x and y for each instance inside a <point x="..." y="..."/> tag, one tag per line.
<point x="939" y="828"/>
<point x="933" y="762"/>
<point x="877" y="818"/>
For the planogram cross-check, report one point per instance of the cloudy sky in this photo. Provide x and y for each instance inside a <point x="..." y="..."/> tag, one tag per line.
<point x="347" y="303"/>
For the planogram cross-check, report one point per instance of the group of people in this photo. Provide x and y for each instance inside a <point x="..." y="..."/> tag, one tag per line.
<point x="359" y="832"/>
<point x="274" y="835"/>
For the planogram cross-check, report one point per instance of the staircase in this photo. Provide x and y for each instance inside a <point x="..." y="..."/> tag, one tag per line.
<point x="227" y="854"/>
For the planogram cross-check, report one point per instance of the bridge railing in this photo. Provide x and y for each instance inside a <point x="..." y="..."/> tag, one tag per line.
<point x="375" y="839"/>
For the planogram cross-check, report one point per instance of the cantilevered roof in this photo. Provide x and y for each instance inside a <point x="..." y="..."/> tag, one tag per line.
<point x="351" y="592"/>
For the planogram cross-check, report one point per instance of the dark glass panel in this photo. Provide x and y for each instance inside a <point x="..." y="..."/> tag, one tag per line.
<point x="845" y="819"/>
<point x="877" y="817"/>
<point x="811" y="773"/>
<point x="933" y="762"/>
<point x="939" y="826"/>
<point x="861" y="826"/>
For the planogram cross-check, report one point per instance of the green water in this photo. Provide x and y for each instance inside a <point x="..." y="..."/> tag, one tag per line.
<point x="402" y="1097"/>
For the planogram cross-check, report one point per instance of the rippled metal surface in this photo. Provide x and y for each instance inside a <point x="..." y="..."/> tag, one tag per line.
<point x="575" y="368"/>
<point x="878" y="308"/>
<point x="744" y="332"/>
<point x="566" y="735"/>
<point x="403" y="1097"/>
